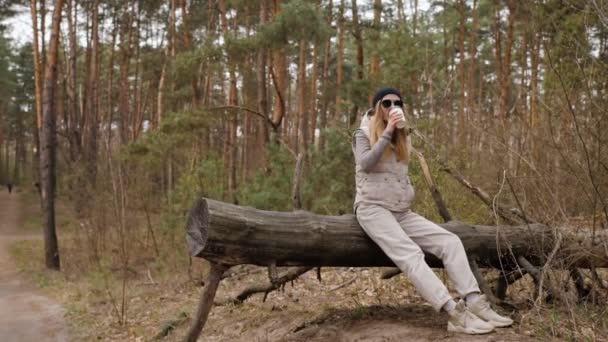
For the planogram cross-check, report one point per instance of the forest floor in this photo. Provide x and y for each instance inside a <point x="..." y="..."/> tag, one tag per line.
<point x="349" y="304"/>
<point x="26" y="313"/>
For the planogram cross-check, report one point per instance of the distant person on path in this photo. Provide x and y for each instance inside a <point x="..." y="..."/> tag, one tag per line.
<point x="9" y="185"/>
<point x="382" y="207"/>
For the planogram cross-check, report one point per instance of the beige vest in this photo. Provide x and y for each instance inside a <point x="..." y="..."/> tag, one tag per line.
<point x="386" y="185"/>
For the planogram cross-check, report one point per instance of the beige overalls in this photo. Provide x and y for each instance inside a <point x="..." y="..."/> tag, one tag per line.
<point x="382" y="207"/>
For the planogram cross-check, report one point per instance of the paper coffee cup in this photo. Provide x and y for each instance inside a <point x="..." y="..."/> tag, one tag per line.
<point x="401" y="122"/>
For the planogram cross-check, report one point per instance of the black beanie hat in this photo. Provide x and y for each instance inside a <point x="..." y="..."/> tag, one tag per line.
<point x="382" y="92"/>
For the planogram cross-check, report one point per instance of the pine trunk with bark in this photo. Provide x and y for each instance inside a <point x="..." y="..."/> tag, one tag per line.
<point x="339" y="60"/>
<point x="278" y="73"/>
<point x="360" y="57"/>
<point x="38" y="78"/>
<point x="126" y="32"/>
<point x="325" y="81"/>
<point x="92" y="107"/>
<point x="302" y="99"/>
<point x="48" y="144"/>
<point x="461" y="74"/>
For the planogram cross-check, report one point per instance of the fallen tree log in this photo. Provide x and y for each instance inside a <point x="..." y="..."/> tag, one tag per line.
<point x="231" y="235"/>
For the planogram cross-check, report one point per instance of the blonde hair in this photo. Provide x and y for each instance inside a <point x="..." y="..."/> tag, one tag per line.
<point x="377" y="125"/>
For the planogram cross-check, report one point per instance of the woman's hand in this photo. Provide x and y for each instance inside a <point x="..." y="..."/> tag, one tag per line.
<point x="393" y="119"/>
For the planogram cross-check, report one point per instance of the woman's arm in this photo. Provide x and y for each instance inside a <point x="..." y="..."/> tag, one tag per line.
<point x="366" y="155"/>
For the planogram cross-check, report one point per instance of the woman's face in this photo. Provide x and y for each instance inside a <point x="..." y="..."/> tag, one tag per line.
<point x="385" y="110"/>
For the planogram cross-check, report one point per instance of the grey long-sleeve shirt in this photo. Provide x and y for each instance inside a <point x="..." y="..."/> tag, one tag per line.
<point x="367" y="156"/>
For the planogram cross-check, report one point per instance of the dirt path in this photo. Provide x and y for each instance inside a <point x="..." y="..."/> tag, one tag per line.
<point x="25" y="314"/>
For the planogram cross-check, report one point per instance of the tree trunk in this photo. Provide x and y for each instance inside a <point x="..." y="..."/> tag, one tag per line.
<point x="169" y="53"/>
<point x="360" y="57"/>
<point x="302" y="100"/>
<point x="43" y="33"/>
<point x="232" y="139"/>
<point x="533" y="121"/>
<point x="138" y="85"/>
<point x="278" y="76"/>
<point x="38" y="74"/>
<point x="49" y="144"/>
<point x="37" y="64"/>
<point x="374" y="59"/>
<point x="109" y="111"/>
<point x="231" y="147"/>
<point x="73" y="116"/>
<point x="339" y="61"/>
<point x="232" y="235"/>
<point x="125" y="63"/>
<point x="187" y="38"/>
<point x="400" y="14"/>
<point x="325" y="84"/>
<point x="313" y="94"/>
<point x="471" y="81"/>
<point x="461" y="68"/>
<point x="7" y="157"/>
<point x="505" y="89"/>
<point x="93" y="101"/>
<point x="20" y="157"/>
<point x="262" y="93"/>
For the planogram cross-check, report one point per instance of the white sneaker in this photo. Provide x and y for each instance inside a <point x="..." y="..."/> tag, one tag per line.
<point x="481" y="308"/>
<point x="463" y="321"/>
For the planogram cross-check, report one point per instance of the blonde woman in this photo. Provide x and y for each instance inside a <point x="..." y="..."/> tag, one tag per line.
<point x="382" y="207"/>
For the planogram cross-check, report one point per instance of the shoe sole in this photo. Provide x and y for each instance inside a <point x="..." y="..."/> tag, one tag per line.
<point x="499" y="324"/>
<point x="470" y="331"/>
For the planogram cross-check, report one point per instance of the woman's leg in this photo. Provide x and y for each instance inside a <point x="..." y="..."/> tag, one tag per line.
<point x="448" y="247"/>
<point x="381" y="226"/>
<point x="443" y="244"/>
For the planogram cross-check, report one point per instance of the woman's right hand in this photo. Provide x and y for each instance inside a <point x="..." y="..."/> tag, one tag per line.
<point x="393" y="119"/>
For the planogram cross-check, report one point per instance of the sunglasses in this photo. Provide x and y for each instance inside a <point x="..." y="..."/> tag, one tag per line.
<point x="388" y="103"/>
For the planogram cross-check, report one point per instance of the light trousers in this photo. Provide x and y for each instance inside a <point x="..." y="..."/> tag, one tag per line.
<point x="403" y="236"/>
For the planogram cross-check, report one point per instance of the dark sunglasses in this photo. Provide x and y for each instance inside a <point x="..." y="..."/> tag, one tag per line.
<point x="388" y="103"/>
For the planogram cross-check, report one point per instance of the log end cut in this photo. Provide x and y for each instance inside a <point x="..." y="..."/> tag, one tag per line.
<point x="197" y="227"/>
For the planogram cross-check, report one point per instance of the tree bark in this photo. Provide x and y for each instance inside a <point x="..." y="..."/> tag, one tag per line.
<point x="48" y="142"/>
<point x="312" y="127"/>
<point x="262" y="94"/>
<point x="73" y="116"/>
<point x="187" y="39"/>
<point x="37" y="64"/>
<point x="302" y="99"/>
<point x="92" y="111"/>
<point x="109" y="108"/>
<point x="231" y="142"/>
<point x="471" y="109"/>
<point x="279" y="79"/>
<point x="20" y="151"/>
<point x="38" y="74"/>
<point x="126" y="32"/>
<point x="360" y="57"/>
<point x="374" y="59"/>
<point x="461" y="69"/>
<point x="339" y="60"/>
<point x="206" y="302"/>
<point x="230" y="234"/>
<point x="137" y="116"/>
<point x="325" y="81"/>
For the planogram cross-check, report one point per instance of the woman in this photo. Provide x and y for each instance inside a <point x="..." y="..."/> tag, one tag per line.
<point x="382" y="207"/>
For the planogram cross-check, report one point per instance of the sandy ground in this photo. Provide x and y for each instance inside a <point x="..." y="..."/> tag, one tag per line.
<point x="25" y="313"/>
